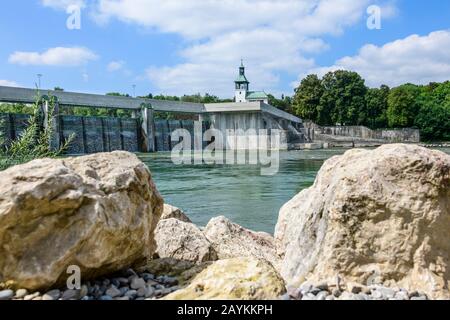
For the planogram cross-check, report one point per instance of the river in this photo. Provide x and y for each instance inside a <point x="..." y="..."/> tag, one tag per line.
<point x="240" y="193"/>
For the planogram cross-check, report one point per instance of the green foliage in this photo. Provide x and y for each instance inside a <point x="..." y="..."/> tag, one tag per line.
<point x="34" y="142"/>
<point x="306" y="103"/>
<point x="341" y="97"/>
<point x="285" y="103"/>
<point x="433" y="119"/>
<point x="376" y="107"/>
<point x="344" y="95"/>
<point x="16" y="108"/>
<point x="403" y="105"/>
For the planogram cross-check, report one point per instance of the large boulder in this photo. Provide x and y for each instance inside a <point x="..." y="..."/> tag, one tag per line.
<point x="234" y="279"/>
<point x="174" y="212"/>
<point x="97" y="212"/>
<point x="182" y="241"/>
<point x="374" y="214"/>
<point x="230" y="240"/>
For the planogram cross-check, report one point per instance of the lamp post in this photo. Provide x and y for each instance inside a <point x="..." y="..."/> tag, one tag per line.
<point x="39" y="80"/>
<point x="134" y="91"/>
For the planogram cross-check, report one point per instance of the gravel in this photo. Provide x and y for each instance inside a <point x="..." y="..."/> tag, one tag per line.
<point x="329" y="291"/>
<point x="128" y="285"/>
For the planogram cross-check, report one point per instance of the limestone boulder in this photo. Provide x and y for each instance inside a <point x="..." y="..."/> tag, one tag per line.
<point x="234" y="279"/>
<point x="96" y="212"/>
<point x="174" y="212"/>
<point x="182" y="241"/>
<point x="372" y="214"/>
<point x="230" y="240"/>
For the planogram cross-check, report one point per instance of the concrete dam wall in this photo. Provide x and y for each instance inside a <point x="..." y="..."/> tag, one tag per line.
<point x="143" y="132"/>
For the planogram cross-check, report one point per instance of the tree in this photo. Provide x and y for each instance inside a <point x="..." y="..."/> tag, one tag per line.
<point x="403" y="105"/>
<point x="306" y="102"/>
<point x="285" y="103"/>
<point x="344" y="97"/>
<point x="433" y="119"/>
<point x="376" y="107"/>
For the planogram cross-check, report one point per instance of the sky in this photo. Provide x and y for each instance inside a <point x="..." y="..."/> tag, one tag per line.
<point x="178" y="47"/>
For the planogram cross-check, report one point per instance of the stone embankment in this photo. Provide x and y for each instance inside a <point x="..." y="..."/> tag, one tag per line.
<point x="374" y="226"/>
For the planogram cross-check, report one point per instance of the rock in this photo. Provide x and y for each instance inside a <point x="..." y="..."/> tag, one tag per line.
<point x="97" y="212"/>
<point x="295" y="293"/>
<point x="84" y="291"/>
<point x="6" y="294"/>
<point x="401" y="295"/>
<point x="113" y="292"/>
<point x="105" y="298"/>
<point x="141" y="292"/>
<point x="322" y="295"/>
<point x="52" y="295"/>
<point x="173" y="212"/>
<point x="131" y="294"/>
<point x="182" y="241"/>
<point x="383" y="211"/>
<point x="71" y="295"/>
<point x="138" y="283"/>
<point x="31" y="296"/>
<point x="419" y="298"/>
<point x="336" y="293"/>
<point x="234" y="279"/>
<point x="230" y="240"/>
<point x="21" y="293"/>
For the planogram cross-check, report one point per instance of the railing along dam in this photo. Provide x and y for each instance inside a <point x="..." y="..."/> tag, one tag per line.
<point x="141" y="132"/>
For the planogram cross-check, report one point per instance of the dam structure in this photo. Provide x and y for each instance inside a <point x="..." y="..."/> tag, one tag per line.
<point x="142" y="131"/>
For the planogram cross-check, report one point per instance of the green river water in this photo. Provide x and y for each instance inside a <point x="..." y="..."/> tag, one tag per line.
<point x="240" y="193"/>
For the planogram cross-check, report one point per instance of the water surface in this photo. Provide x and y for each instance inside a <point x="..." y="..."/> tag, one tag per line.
<point x="237" y="192"/>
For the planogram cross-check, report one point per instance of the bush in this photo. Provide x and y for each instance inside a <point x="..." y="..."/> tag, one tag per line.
<point x="34" y="142"/>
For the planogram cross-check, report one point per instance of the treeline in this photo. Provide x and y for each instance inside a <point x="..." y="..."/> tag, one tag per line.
<point x="341" y="97"/>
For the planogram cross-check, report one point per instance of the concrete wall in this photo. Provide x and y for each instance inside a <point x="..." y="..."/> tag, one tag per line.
<point x="361" y="132"/>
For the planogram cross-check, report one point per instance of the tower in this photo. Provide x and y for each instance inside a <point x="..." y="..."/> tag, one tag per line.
<point x="242" y="84"/>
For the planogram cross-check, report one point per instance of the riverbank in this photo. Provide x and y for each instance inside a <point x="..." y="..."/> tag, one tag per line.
<point x="342" y="238"/>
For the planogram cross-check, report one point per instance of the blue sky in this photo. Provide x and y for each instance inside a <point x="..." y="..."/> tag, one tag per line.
<point x="184" y="47"/>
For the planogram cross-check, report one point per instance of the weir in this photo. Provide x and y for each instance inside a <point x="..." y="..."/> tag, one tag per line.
<point x="143" y="132"/>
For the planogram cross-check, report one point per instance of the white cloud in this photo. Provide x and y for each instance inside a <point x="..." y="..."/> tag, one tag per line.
<point x="8" y="83"/>
<point x="416" y="59"/>
<point x="115" y="66"/>
<point x="273" y="36"/>
<point x="60" y="56"/>
<point x="63" y="4"/>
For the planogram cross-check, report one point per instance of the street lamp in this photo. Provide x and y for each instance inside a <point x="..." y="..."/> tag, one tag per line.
<point x="134" y="91"/>
<point x="39" y="80"/>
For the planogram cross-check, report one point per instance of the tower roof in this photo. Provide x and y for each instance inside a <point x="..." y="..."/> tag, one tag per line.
<point x="241" y="79"/>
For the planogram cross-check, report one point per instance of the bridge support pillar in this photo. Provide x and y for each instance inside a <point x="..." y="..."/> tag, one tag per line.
<point x="148" y="129"/>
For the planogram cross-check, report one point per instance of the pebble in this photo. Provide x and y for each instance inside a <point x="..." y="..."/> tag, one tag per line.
<point x="113" y="292"/>
<point x="6" y="294"/>
<point x="419" y="298"/>
<point x="21" y="293"/>
<point x="52" y="295"/>
<point x="31" y="296"/>
<point x="70" y="295"/>
<point x="138" y="283"/>
<point x="322" y="295"/>
<point x="285" y="297"/>
<point x="131" y="294"/>
<point x="325" y="291"/>
<point x="106" y="298"/>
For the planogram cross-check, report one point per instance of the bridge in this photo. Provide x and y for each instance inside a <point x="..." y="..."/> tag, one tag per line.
<point x="142" y="132"/>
